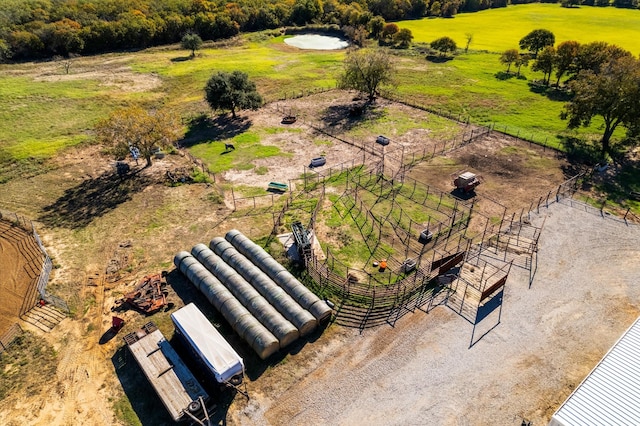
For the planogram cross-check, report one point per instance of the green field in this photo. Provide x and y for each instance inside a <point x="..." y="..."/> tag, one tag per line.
<point x="497" y="30"/>
<point x="44" y="111"/>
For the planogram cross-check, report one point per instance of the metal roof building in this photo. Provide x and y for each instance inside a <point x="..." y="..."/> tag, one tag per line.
<point x="610" y="394"/>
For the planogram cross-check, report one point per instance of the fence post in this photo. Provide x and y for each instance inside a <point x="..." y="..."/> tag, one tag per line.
<point x="234" y="199"/>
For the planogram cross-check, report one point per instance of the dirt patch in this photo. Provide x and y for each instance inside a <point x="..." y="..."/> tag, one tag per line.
<point x="515" y="174"/>
<point x="112" y="73"/>
<point x="15" y="280"/>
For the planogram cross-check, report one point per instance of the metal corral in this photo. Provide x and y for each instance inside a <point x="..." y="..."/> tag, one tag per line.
<point x="245" y="324"/>
<point x="279" y="299"/>
<point x="268" y="316"/>
<point x="278" y="273"/>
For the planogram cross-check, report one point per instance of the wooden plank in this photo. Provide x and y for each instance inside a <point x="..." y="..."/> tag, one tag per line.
<point x="171" y="379"/>
<point x="457" y="258"/>
<point x="488" y="292"/>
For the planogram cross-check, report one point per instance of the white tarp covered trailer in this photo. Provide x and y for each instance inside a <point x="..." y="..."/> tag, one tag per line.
<point x="214" y="351"/>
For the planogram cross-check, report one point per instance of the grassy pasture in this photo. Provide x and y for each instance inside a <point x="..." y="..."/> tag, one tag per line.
<point x="41" y="115"/>
<point x="470" y="85"/>
<point x="276" y="68"/>
<point x="496" y="30"/>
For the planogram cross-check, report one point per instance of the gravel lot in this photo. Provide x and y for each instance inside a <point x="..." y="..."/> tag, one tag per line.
<point x="425" y="370"/>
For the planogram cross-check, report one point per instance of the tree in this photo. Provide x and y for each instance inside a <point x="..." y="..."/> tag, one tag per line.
<point x="389" y="30"/>
<point x="566" y="56"/>
<point x="450" y="8"/>
<point x="522" y="60"/>
<point x="366" y="71"/>
<point x="135" y="127"/>
<point x="444" y="45"/>
<point x="545" y="63"/>
<point x="376" y="25"/>
<point x="357" y="35"/>
<point x="592" y="56"/>
<point x="435" y="8"/>
<point x="537" y="40"/>
<point x="613" y="94"/>
<point x="192" y="42"/>
<point x="508" y="57"/>
<point x="5" y="51"/>
<point x="305" y="11"/>
<point x="468" y="38"/>
<point x="232" y="91"/>
<point x="403" y="37"/>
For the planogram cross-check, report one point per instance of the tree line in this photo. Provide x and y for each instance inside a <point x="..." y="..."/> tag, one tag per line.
<point x="44" y="28"/>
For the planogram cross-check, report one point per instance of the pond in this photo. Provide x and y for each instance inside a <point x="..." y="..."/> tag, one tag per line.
<point x="316" y="42"/>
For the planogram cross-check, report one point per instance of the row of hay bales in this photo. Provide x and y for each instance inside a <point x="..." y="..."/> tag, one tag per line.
<point x="264" y="303"/>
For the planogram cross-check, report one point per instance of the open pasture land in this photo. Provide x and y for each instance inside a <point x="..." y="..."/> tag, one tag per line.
<point x="44" y="110"/>
<point x="497" y="30"/>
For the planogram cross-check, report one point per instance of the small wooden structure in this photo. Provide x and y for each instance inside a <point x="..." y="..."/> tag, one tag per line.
<point x="466" y="182"/>
<point x="180" y="392"/>
<point x="277" y="187"/>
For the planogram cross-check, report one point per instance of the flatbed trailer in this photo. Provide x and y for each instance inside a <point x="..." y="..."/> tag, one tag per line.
<point x="178" y="389"/>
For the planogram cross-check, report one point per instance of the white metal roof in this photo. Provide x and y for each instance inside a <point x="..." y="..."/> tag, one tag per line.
<point x="610" y="395"/>
<point x="215" y="351"/>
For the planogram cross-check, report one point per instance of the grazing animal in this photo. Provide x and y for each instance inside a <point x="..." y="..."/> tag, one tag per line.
<point x="229" y="147"/>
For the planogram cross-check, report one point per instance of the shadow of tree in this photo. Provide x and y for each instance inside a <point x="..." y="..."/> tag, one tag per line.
<point x="347" y="116"/>
<point x="581" y="155"/>
<point x="551" y="92"/>
<point x="503" y="75"/>
<point x="204" y="128"/>
<point x="93" y="198"/>
<point x="579" y="150"/>
<point x="182" y="58"/>
<point x="438" y="59"/>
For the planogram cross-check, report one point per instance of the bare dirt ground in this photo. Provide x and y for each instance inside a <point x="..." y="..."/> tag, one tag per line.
<point x="513" y="173"/>
<point x="420" y="372"/>
<point x="329" y="111"/>
<point x="12" y="282"/>
<point x="112" y="72"/>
